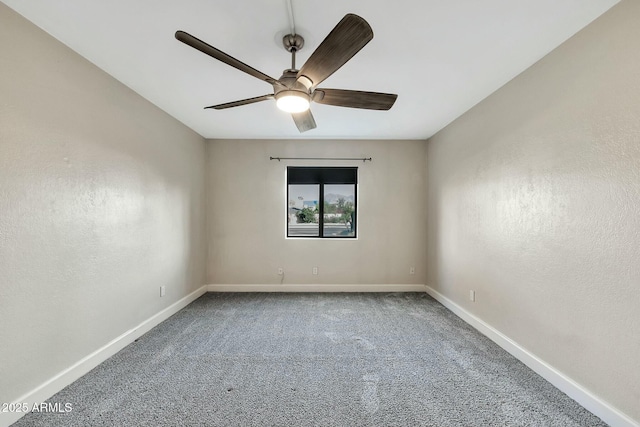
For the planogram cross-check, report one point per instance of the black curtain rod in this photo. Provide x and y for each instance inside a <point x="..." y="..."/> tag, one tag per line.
<point x="364" y="159"/>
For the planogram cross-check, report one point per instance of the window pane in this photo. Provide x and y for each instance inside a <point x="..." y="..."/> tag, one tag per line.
<point x="302" y="212"/>
<point x="339" y="210"/>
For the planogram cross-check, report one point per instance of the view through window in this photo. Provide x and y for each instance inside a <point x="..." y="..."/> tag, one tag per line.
<point x="321" y="202"/>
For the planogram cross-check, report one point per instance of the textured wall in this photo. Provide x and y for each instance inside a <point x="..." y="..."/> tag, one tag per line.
<point x="247" y="214"/>
<point x="101" y="202"/>
<point x="533" y="202"/>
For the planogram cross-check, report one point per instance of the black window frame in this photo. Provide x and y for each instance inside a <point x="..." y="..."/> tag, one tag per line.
<point x="322" y="175"/>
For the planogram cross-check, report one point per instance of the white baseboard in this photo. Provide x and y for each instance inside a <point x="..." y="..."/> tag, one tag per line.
<point x="584" y="397"/>
<point x="52" y="386"/>
<point x="315" y="288"/>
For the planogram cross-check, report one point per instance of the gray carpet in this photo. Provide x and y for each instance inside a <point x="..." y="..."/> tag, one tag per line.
<point x="277" y="359"/>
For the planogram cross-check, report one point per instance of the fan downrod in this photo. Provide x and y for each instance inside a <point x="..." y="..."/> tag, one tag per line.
<point x="293" y="43"/>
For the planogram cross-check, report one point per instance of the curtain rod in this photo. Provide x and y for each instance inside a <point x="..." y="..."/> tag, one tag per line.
<point x="364" y="159"/>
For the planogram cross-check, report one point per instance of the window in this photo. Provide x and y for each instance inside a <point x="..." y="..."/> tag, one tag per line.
<point x="322" y="202"/>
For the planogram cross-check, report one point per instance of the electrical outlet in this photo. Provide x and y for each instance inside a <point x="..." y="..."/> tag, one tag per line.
<point x="412" y="270"/>
<point x="472" y="296"/>
<point x="314" y="271"/>
<point x="163" y="291"/>
<point x="280" y="271"/>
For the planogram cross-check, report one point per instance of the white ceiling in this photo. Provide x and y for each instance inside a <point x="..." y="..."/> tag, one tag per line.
<point x="440" y="56"/>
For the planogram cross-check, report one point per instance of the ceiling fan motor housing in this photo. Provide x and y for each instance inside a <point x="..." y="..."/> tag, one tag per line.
<point x="290" y="87"/>
<point x="289" y="82"/>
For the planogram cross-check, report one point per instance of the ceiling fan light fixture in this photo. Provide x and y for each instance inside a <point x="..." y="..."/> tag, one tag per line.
<point x="292" y="101"/>
<point x="296" y="88"/>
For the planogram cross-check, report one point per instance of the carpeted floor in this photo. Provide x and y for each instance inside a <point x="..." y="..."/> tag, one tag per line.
<point x="277" y="359"/>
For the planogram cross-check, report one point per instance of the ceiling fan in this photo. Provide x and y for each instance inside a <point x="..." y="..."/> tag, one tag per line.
<point x="297" y="88"/>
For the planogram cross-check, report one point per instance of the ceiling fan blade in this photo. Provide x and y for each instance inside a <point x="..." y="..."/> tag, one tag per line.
<point x="347" y="38"/>
<point x="241" y="102"/>
<point x="203" y="47"/>
<point x="304" y="121"/>
<point x="355" y="99"/>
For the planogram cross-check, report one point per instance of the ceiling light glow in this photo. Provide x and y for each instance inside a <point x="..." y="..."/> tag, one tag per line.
<point x="292" y="101"/>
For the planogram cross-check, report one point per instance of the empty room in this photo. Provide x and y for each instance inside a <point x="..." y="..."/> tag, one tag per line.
<point x="337" y="213"/>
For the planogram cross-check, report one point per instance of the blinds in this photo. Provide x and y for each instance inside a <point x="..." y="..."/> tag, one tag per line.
<point x="321" y="175"/>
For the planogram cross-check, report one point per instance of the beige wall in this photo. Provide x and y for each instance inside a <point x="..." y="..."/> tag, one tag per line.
<point x="101" y="203"/>
<point x="534" y="201"/>
<point x="247" y="214"/>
